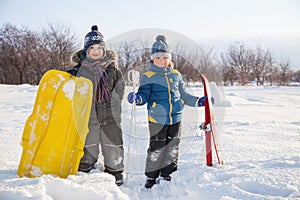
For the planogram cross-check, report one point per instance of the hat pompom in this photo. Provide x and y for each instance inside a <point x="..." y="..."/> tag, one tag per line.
<point x="161" y="38"/>
<point x="94" y="28"/>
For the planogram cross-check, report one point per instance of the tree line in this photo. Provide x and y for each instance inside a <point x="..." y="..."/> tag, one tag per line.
<point x="25" y="55"/>
<point x="242" y="64"/>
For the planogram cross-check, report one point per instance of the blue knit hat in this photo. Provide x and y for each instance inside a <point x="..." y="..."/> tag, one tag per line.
<point x="160" y="48"/>
<point x="93" y="37"/>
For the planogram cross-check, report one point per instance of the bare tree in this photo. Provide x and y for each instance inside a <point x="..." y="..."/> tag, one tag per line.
<point x="58" y="42"/>
<point x="271" y="71"/>
<point x="27" y="55"/>
<point x="243" y="64"/>
<point x="236" y="60"/>
<point x="206" y="64"/>
<point x="296" y="76"/>
<point x="129" y="55"/>
<point x="227" y="70"/>
<point x="17" y="53"/>
<point x="261" y="62"/>
<point x="192" y="63"/>
<point x="285" y="72"/>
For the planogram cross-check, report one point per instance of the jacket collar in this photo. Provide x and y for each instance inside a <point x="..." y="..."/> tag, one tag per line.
<point x="161" y="70"/>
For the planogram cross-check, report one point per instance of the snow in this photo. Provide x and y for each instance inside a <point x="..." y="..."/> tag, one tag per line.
<point x="84" y="89"/>
<point x="258" y="131"/>
<point x="69" y="88"/>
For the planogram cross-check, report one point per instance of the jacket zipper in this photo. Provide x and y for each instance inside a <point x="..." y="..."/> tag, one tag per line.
<point x="170" y="100"/>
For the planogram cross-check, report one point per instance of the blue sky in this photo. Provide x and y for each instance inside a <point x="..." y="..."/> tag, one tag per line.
<point x="274" y="23"/>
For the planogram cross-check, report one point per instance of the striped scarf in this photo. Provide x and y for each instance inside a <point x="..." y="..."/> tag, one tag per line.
<point x="97" y="67"/>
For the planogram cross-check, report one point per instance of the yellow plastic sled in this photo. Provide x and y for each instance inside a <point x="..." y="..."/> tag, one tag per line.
<point x="55" y="133"/>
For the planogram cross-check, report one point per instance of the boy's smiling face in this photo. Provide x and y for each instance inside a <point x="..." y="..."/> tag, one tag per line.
<point x="161" y="61"/>
<point x="95" y="52"/>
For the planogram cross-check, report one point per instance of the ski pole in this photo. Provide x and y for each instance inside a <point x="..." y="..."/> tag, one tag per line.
<point x="133" y="78"/>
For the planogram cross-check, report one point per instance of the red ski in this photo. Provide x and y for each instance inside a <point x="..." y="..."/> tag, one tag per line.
<point x="208" y="126"/>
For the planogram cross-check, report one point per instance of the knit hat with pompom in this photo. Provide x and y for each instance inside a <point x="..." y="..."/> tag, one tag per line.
<point x="93" y="37"/>
<point x="160" y="48"/>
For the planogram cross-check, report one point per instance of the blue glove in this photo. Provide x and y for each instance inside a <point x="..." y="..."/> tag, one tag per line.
<point x="133" y="97"/>
<point x="201" y="101"/>
<point x="212" y="100"/>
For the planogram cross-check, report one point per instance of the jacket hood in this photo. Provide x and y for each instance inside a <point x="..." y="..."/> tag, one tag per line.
<point x="110" y="56"/>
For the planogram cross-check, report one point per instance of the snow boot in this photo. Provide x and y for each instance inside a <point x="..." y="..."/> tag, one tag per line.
<point x="167" y="178"/>
<point x="85" y="167"/>
<point x="119" y="182"/>
<point x="119" y="179"/>
<point x="150" y="182"/>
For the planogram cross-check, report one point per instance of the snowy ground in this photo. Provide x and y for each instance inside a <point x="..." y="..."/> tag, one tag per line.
<point x="258" y="131"/>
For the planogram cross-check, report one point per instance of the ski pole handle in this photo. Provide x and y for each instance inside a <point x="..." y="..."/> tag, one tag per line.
<point x="133" y="78"/>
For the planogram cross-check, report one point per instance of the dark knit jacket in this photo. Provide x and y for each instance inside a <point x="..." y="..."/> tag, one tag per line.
<point x="106" y="111"/>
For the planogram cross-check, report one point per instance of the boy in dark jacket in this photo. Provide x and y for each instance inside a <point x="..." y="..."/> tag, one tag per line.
<point x="162" y="88"/>
<point x="99" y="65"/>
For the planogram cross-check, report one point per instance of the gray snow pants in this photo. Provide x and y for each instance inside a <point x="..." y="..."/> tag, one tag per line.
<point x="110" y="138"/>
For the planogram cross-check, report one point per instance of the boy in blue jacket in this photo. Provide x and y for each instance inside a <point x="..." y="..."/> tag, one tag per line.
<point x="162" y="88"/>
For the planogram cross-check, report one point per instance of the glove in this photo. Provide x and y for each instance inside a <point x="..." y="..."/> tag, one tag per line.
<point x="133" y="97"/>
<point x="212" y="100"/>
<point x="201" y="101"/>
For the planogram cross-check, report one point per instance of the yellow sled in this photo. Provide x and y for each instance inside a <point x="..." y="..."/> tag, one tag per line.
<point x="55" y="133"/>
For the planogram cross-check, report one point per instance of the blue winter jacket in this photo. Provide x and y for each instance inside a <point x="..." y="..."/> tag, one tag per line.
<point x="164" y="91"/>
